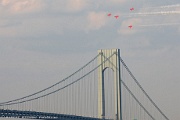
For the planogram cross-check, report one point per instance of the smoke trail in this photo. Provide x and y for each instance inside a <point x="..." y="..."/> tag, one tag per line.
<point x="170" y="6"/>
<point x="159" y="10"/>
<point x="160" y="7"/>
<point x="164" y="24"/>
<point x="153" y="13"/>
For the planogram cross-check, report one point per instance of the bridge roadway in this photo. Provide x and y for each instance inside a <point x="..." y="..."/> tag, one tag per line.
<point x="41" y="115"/>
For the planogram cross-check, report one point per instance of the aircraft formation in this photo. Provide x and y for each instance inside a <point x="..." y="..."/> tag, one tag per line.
<point x="162" y="10"/>
<point x="117" y="16"/>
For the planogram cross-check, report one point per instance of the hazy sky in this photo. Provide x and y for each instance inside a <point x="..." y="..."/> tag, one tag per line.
<point x="43" y="41"/>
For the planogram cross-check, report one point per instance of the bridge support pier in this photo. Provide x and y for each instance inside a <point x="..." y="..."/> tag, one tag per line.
<point x="113" y="63"/>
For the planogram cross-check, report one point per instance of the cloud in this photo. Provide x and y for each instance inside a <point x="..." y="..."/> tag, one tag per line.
<point x="76" y="5"/>
<point x="32" y="27"/>
<point x="22" y="6"/>
<point x="70" y="6"/>
<point x="5" y="2"/>
<point x="96" y="20"/>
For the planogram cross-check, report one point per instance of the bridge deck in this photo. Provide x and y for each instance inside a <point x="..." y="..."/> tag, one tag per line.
<point x="41" y="115"/>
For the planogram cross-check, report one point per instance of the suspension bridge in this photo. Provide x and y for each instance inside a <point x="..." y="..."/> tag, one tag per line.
<point x="103" y="89"/>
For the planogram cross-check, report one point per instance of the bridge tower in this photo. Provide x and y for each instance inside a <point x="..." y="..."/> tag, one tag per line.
<point x="114" y="64"/>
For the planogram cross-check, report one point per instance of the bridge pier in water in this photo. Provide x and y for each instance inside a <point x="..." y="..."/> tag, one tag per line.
<point x="114" y="64"/>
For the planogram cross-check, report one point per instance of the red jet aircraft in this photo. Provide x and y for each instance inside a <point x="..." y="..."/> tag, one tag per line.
<point x="109" y="14"/>
<point x="130" y="26"/>
<point x="116" y="16"/>
<point x="131" y="9"/>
